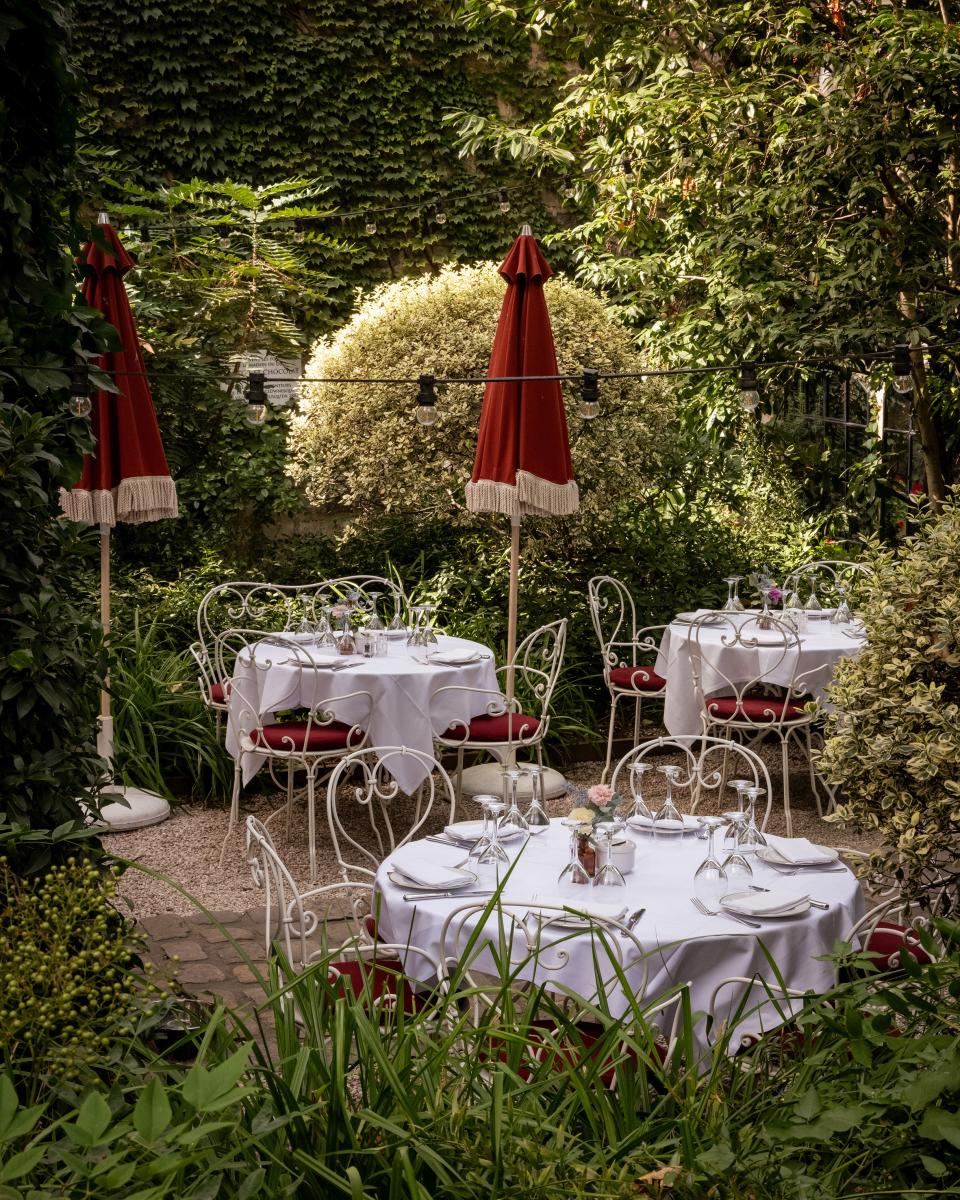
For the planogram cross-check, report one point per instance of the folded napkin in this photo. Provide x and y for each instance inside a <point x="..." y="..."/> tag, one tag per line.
<point x="764" y="904"/>
<point x="454" y="658"/>
<point x="640" y="822"/>
<point x="688" y="618"/>
<point x="590" y="908"/>
<point x="799" y="851"/>
<point x="429" y="868"/>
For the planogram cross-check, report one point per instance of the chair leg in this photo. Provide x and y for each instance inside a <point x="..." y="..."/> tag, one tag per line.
<point x="786" y="784"/>
<point x="637" y="709"/>
<point x="613" y="717"/>
<point x="458" y="794"/>
<point x="234" y="810"/>
<point x="816" y="781"/>
<point x="311" y="823"/>
<point x="289" y="798"/>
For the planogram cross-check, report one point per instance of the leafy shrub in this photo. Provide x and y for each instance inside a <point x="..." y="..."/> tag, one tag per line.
<point x="893" y="737"/>
<point x="65" y="987"/>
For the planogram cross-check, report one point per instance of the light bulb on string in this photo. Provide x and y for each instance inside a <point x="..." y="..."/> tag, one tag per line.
<point x="427" y="401"/>
<point x="504" y="200"/>
<point x="224" y="241"/>
<point x="80" y="402"/>
<point x="902" y="370"/>
<point x="627" y="164"/>
<point x="749" y="388"/>
<point x="369" y="224"/>
<point x="299" y="236"/>
<point x="438" y="214"/>
<point x="590" y="395"/>
<point x="256" y="398"/>
<point x="145" y="242"/>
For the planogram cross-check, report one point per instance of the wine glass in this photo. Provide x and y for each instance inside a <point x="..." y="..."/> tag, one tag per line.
<point x="709" y="880"/>
<point x="429" y="638"/>
<point x="609" y="875"/>
<point x="813" y="605"/>
<point x="324" y="626"/>
<point x="668" y="822"/>
<point x="483" y="841"/>
<point x="637" y="772"/>
<point x="751" y="838"/>
<point x="841" y="614"/>
<point x="513" y="819"/>
<point x="574" y="872"/>
<point x="415" y="633"/>
<point x="374" y="623"/>
<point x="493" y="854"/>
<point x="734" y="603"/>
<point x="536" y="815"/>
<point x="737" y="821"/>
<point x="396" y="622"/>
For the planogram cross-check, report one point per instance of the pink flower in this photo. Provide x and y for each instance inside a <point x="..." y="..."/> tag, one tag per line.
<point x="776" y="595"/>
<point x="600" y="794"/>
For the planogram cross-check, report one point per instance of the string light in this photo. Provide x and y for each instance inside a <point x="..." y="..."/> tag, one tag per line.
<point x="369" y="224"/>
<point x="504" y="200"/>
<point x="224" y="241"/>
<point x="627" y="165"/>
<point x="427" y="400"/>
<point x="438" y="213"/>
<point x="145" y="236"/>
<point x="902" y="369"/>
<point x="299" y="235"/>
<point x="590" y="396"/>
<point x="256" y="398"/>
<point x="749" y="389"/>
<point x="80" y="402"/>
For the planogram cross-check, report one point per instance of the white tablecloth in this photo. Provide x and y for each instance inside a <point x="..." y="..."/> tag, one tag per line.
<point x="820" y="648"/>
<point x="399" y="685"/>
<point x="680" y="944"/>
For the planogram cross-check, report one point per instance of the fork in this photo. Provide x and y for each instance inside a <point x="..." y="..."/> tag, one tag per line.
<point x="713" y="912"/>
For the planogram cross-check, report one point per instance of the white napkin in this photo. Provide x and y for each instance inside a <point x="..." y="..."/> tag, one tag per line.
<point x="688" y="618"/>
<point x="764" y="904"/>
<point x="590" y="908"/>
<point x="799" y="851"/>
<point x="429" y="868"/>
<point x="689" y="823"/>
<point x="454" y="658"/>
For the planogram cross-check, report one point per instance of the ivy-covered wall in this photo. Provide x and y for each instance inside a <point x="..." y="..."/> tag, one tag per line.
<point x="353" y="94"/>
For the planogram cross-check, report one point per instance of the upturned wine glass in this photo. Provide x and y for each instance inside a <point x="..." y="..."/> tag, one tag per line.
<point x="841" y="614"/>
<point x="374" y="623"/>
<point x="709" y="880"/>
<point x="737" y="821"/>
<point x="536" y="815"/>
<point x="668" y="822"/>
<point x="609" y="875"/>
<point x="734" y="603"/>
<point x="513" y="818"/>
<point x="637" y="772"/>
<point x="574" y="872"/>
<point x="482" y="842"/>
<point x="751" y="838"/>
<point x="493" y="854"/>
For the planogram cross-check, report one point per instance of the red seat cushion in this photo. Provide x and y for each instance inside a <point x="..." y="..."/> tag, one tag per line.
<point x="219" y="692"/>
<point x="376" y="980"/>
<point x="887" y="942"/>
<point x="293" y="735"/>
<point x="638" y="679"/>
<point x="542" y="1047"/>
<point x="494" y="729"/>
<point x="754" y="708"/>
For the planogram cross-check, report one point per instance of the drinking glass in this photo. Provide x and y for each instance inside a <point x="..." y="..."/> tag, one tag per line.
<point x="752" y="838"/>
<point x="324" y="626"/>
<point x="734" y="603"/>
<point x="709" y="880"/>
<point x="609" y="875"/>
<point x="813" y="605"/>
<point x="513" y="819"/>
<point x="415" y="633"/>
<point x="374" y="623"/>
<point x="397" y="622"/>
<point x="483" y="841"/>
<point x="668" y="823"/>
<point x="429" y="638"/>
<point x="637" y="772"/>
<point x="536" y="815"/>
<point x="574" y="872"/>
<point x="737" y="821"/>
<point x="841" y="614"/>
<point x="493" y="854"/>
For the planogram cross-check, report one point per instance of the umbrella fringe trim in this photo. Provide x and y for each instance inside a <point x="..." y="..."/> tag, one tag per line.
<point x="135" y="501"/>
<point x="529" y="496"/>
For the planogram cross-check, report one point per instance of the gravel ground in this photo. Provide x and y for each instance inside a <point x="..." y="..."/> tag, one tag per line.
<point x="186" y="848"/>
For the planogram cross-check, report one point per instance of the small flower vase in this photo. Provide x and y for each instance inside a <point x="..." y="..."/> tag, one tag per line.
<point x="347" y="644"/>
<point x="586" y="853"/>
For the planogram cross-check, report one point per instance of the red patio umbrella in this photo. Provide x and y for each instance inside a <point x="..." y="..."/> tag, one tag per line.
<point x="126" y="478"/>
<point x="523" y="462"/>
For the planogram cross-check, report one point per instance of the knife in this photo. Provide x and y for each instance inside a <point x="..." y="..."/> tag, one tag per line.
<point x="441" y="895"/>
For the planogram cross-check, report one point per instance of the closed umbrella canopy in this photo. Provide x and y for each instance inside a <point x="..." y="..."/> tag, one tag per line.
<point x="126" y="478"/>
<point x="523" y="463"/>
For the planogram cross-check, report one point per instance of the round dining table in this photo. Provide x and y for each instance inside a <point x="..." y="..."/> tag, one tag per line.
<point x="401" y="685"/>
<point x="821" y="647"/>
<point x="679" y="943"/>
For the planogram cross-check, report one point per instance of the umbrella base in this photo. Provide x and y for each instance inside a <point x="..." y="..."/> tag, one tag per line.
<point x="140" y="810"/>
<point x="487" y="779"/>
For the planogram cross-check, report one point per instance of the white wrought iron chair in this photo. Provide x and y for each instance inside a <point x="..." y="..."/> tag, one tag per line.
<point x="763" y="695"/>
<point x="508" y="958"/>
<point x="503" y="729"/>
<point x="748" y="1007"/>
<point x="335" y="924"/>
<point x="828" y="577"/>
<point x="212" y="692"/>
<point x="889" y="930"/>
<point x="371" y="816"/>
<point x="311" y="743"/>
<point x="706" y="766"/>
<point x="627" y="652"/>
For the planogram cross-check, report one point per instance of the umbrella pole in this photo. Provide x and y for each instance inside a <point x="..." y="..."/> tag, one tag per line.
<point x="512" y="602"/>
<point x="105" y="735"/>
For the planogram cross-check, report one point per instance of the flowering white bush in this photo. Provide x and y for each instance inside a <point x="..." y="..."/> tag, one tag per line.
<point x="358" y="447"/>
